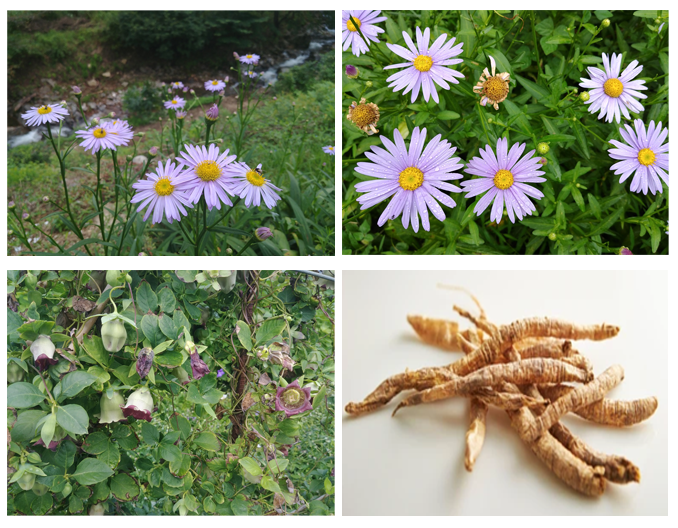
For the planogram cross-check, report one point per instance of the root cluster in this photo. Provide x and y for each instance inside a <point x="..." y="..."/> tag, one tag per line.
<point x="522" y="368"/>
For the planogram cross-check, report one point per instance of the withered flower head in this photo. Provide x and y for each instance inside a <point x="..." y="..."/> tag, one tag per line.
<point x="494" y="88"/>
<point x="364" y="116"/>
<point x="144" y="362"/>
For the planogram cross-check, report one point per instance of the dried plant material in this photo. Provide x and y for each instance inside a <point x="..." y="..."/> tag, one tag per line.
<point x="544" y="347"/>
<point x="579" y="361"/>
<point x="247" y="401"/>
<point x="579" y="397"/>
<point x="482" y="323"/>
<point x="440" y="332"/>
<point x="617" y="413"/>
<point x="535" y="370"/>
<point x="82" y="305"/>
<point x="475" y="436"/>
<point x="508" y="401"/>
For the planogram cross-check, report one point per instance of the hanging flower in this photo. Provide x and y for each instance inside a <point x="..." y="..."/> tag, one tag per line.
<point x="365" y="21"/>
<point x="165" y="192"/>
<point x="505" y="180"/>
<point x="207" y="175"/>
<point x="139" y="405"/>
<point x="144" y="362"/>
<point x="645" y="156"/>
<point x="250" y="185"/>
<point x="198" y="366"/>
<point x="293" y="399"/>
<point x="251" y="58"/>
<point x="214" y="85"/>
<point x="43" y="352"/>
<point x="494" y="88"/>
<point x="364" y="115"/>
<point x="182" y="375"/>
<point x="413" y="178"/>
<point x="110" y="408"/>
<point x="175" y="103"/>
<point x="329" y="149"/>
<point x="611" y="92"/>
<point x="49" y="113"/>
<point x="426" y="66"/>
<point x="113" y="335"/>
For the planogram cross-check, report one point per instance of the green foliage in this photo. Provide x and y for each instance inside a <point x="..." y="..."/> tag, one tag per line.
<point x="305" y="76"/>
<point x="585" y="209"/>
<point x="143" y="102"/>
<point x="189" y="459"/>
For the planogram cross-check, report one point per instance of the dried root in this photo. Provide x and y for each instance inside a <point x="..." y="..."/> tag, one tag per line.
<point x="442" y="333"/>
<point x="475" y="436"/>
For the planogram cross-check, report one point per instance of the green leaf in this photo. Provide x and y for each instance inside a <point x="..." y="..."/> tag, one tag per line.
<point x="270" y="329"/>
<point x="170" y="452"/>
<point x="94" y="347"/>
<point x="21" y="395"/>
<point x="186" y="276"/>
<point x="73" y="419"/>
<point x="111" y="455"/>
<point x="26" y="424"/>
<point x="96" y="443"/>
<point x="244" y="335"/>
<point x="168" y="301"/>
<point x="207" y="441"/>
<point x="270" y="484"/>
<point x="91" y="471"/>
<point x="151" y="329"/>
<point x="75" y="504"/>
<point x="645" y="14"/>
<point x="180" y="320"/>
<point x="278" y="465"/>
<point x="194" y="395"/>
<point x="557" y="137"/>
<point x="240" y="506"/>
<point x="581" y="138"/>
<point x="101" y="492"/>
<point x="146" y="298"/>
<point x="48" y="428"/>
<point x="538" y="92"/>
<point x="170" y="358"/>
<point x="181" y="424"/>
<point x="73" y="382"/>
<point x="65" y="455"/>
<point x="14" y="321"/>
<point x="447" y="115"/>
<point x="149" y="433"/>
<point x="250" y="465"/>
<point x="193" y="311"/>
<point x="31" y="331"/>
<point x="167" y="327"/>
<point x="124" y="487"/>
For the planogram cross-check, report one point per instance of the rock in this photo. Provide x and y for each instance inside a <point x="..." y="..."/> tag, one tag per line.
<point x="139" y="160"/>
<point x="92" y="82"/>
<point x="51" y="82"/>
<point x="23" y="101"/>
<point x="124" y="61"/>
<point x="106" y="74"/>
<point x="124" y="83"/>
<point x="92" y="105"/>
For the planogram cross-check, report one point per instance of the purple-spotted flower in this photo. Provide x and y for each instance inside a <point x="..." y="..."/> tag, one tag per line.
<point x="165" y="192"/>
<point x="43" y="352"/>
<point x="49" y="113"/>
<point x="139" y="405"/>
<point x="250" y="185"/>
<point x="214" y="85"/>
<point x="645" y="155"/>
<point x="414" y="179"/>
<point x="175" y="103"/>
<point x="613" y="93"/>
<point x="426" y="65"/>
<point x="293" y="399"/>
<point x="365" y="21"/>
<point x="208" y="177"/>
<point x="505" y="180"/>
<point x="329" y="149"/>
<point x="250" y="58"/>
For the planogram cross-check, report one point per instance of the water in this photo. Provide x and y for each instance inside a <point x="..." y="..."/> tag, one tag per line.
<point x="270" y="76"/>
<point x="35" y="135"/>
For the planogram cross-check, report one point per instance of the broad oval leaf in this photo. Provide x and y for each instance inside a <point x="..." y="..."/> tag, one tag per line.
<point x="91" y="471"/>
<point x="22" y="395"/>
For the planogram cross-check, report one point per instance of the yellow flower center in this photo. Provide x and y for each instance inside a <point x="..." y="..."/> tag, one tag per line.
<point x="613" y="87"/>
<point x="503" y="179"/>
<point x="208" y="170"/>
<point x="214" y="83"/>
<point x="331" y="148"/>
<point x="248" y="56"/>
<point x="363" y="115"/>
<point x="411" y="179"/>
<point x="293" y="398"/>
<point x="495" y="88"/>
<point x="646" y="157"/>
<point x="99" y="133"/>
<point x="255" y="178"/>
<point x="174" y="101"/>
<point x="163" y="187"/>
<point x="44" y="110"/>
<point x="423" y="63"/>
<point x="351" y="27"/>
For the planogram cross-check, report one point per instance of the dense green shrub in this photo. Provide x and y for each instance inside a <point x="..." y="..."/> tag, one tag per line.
<point x="305" y="76"/>
<point x="143" y="102"/>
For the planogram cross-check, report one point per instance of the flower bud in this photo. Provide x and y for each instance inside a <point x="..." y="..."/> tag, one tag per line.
<point x="605" y="23"/>
<point x="625" y="251"/>
<point x="181" y="375"/>
<point x="543" y="148"/>
<point x="14" y="372"/>
<point x="139" y="405"/>
<point x="11" y="205"/>
<point x="293" y="399"/>
<point x="153" y="151"/>
<point x="221" y="93"/>
<point x="26" y="216"/>
<point x="552" y="237"/>
<point x="262" y="233"/>
<point x="110" y="408"/>
<point x="236" y="56"/>
<point x="352" y="72"/>
<point x="584" y="96"/>
<point x="368" y="84"/>
<point x="113" y="278"/>
<point x="212" y="113"/>
<point x="43" y="352"/>
<point x="76" y="90"/>
<point x="113" y="335"/>
<point x="144" y="362"/>
<point x="129" y="157"/>
<point x="180" y="114"/>
<point x="543" y="161"/>
<point x="96" y="509"/>
<point x="45" y="199"/>
<point x="26" y="481"/>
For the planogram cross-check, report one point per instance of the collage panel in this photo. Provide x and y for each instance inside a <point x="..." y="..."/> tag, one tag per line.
<point x="168" y="133"/>
<point x="505" y="132"/>
<point x="505" y="393"/>
<point x="170" y="392"/>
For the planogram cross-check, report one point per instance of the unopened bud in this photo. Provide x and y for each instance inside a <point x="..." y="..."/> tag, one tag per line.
<point x="352" y="72"/>
<point x="368" y="84"/>
<point x="76" y="90"/>
<point x="45" y="199"/>
<point x="543" y="148"/>
<point x="262" y="233"/>
<point x="584" y="96"/>
<point x="153" y="151"/>
<point x="605" y="23"/>
<point x="552" y="236"/>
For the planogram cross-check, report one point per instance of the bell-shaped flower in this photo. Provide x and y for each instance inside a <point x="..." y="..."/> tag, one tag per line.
<point x="198" y="366"/>
<point x="114" y="335"/>
<point x="144" y="362"/>
<point x="181" y="375"/>
<point x="139" y="405"/>
<point x="110" y="408"/>
<point x="293" y="399"/>
<point x="43" y="352"/>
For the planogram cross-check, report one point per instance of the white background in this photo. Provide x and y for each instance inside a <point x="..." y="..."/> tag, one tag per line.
<point x="413" y="464"/>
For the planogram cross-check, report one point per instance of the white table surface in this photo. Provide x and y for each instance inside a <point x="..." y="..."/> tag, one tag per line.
<point x="413" y="464"/>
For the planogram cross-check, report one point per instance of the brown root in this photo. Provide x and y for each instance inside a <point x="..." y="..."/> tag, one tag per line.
<point x="617" y="413"/>
<point x="475" y="436"/>
<point x="442" y="333"/>
<point x="544" y="347"/>
<point x="482" y="323"/>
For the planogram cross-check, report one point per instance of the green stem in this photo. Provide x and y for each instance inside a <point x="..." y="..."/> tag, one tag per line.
<point x="248" y="244"/>
<point x="116" y="177"/>
<point x="98" y="201"/>
<point x="536" y="43"/>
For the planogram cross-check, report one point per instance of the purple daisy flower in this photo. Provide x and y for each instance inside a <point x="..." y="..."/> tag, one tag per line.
<point x="164" y="191"/>
<point x="329" y="150"/>
<point x="645" y="155"/>
<point x="611" y="92"/>
<point x="505" y="178"/>
<point x="180" y="114"/>
<point x="251" y="74"/>
<point x="175" y="103"/>
<point x="105" y="135"/>
<point x="50" y="113"/>
<point x="366" y="21"/>
<point x="251" y="58"/>
<point x="214" y="85"/>
<point x="251" y="185"/>
<point x="414" y="179"/>
<point x="177" y="85"/>
<point x="425" y="68"/>
<point x="208" y="177"/>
